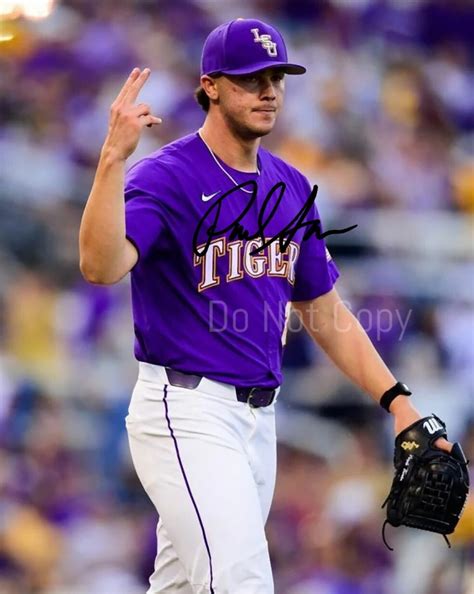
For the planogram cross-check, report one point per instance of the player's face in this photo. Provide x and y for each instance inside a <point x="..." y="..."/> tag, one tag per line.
<point x="250" y="103"/>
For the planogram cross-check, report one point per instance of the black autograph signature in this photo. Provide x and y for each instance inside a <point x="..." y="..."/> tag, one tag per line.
<point x="237" y="231"/>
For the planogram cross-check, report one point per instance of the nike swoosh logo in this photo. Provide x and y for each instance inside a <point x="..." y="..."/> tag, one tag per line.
<point x="205" y="198"/>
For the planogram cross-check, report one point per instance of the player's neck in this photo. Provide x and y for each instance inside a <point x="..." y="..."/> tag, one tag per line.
<point x="236" y="152"/>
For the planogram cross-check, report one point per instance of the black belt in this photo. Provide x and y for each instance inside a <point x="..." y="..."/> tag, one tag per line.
<point x="255" y="397"/>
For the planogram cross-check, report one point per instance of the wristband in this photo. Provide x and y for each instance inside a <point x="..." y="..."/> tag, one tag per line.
<point x="398" y="389"/>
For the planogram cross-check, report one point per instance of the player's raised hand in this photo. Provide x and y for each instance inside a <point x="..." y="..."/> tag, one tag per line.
<point x="128" y="118"/>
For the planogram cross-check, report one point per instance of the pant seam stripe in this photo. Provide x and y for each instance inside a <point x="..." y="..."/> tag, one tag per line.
<point x="188" y="487"/>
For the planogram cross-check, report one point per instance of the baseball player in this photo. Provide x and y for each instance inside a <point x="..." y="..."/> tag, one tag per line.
<point x="220" y="237"/>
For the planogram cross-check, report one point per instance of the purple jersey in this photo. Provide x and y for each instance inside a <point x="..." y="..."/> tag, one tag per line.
<point x="222" y="313"/>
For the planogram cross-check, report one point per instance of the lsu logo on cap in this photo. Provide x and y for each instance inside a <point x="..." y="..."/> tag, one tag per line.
<point x="266" y="41"/>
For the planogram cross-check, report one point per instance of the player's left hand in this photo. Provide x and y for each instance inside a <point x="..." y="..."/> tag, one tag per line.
<point x="431" y="482"/>
<point x="405" y="414"/>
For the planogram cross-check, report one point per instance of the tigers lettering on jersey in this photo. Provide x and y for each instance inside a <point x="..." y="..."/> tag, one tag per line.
<point x="166" y="195"/>
<point x="241" y="262"/>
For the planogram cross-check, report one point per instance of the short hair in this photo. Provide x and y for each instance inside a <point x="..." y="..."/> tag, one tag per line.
<point x="201" y="97"/>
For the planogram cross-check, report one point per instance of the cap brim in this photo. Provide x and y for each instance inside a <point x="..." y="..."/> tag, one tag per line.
<point x="285" y="66"/>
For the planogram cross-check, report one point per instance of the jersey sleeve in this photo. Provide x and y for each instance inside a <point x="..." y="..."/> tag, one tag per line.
<point x="316" y="273"/>
<point x="144" y="209"/>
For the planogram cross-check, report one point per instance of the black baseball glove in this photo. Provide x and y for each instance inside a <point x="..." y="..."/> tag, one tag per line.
<point x="430" y="486"/>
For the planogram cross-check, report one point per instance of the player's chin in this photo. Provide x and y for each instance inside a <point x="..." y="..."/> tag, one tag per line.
<point x="262" y="123"/>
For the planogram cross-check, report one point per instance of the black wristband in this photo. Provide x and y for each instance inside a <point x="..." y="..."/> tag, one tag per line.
<point x="398" y="389"/>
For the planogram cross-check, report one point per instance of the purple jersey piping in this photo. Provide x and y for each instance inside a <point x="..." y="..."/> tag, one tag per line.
<point x="165" y="402"/>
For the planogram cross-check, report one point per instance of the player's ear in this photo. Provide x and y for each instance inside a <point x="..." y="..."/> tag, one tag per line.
<point x="209" y="84"/>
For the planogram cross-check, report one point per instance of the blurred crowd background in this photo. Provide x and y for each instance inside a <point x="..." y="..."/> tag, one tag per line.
<point x="383" y="122"/>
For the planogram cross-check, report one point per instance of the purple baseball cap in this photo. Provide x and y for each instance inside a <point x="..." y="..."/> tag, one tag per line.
<point x="243" y="46"/>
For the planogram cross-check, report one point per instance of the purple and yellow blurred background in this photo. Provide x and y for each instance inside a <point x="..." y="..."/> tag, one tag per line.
<point x="383" y="122"/>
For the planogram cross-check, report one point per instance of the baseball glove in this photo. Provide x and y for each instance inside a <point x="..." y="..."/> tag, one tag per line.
<point x="430" y="486"/>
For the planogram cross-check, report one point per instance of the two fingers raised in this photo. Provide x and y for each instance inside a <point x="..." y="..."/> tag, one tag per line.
<point x="124" y="90"/>
<point x="135" y="86"/>
<point x="128" y="95"/>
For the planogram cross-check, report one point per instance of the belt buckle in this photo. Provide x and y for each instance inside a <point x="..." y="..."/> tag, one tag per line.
<point x="253" y="392"/>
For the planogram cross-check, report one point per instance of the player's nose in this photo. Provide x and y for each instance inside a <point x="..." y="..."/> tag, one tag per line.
<point x="267" y="87"/>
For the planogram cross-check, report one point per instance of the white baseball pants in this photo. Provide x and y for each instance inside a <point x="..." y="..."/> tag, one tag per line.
<point x="208" y="464"/>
